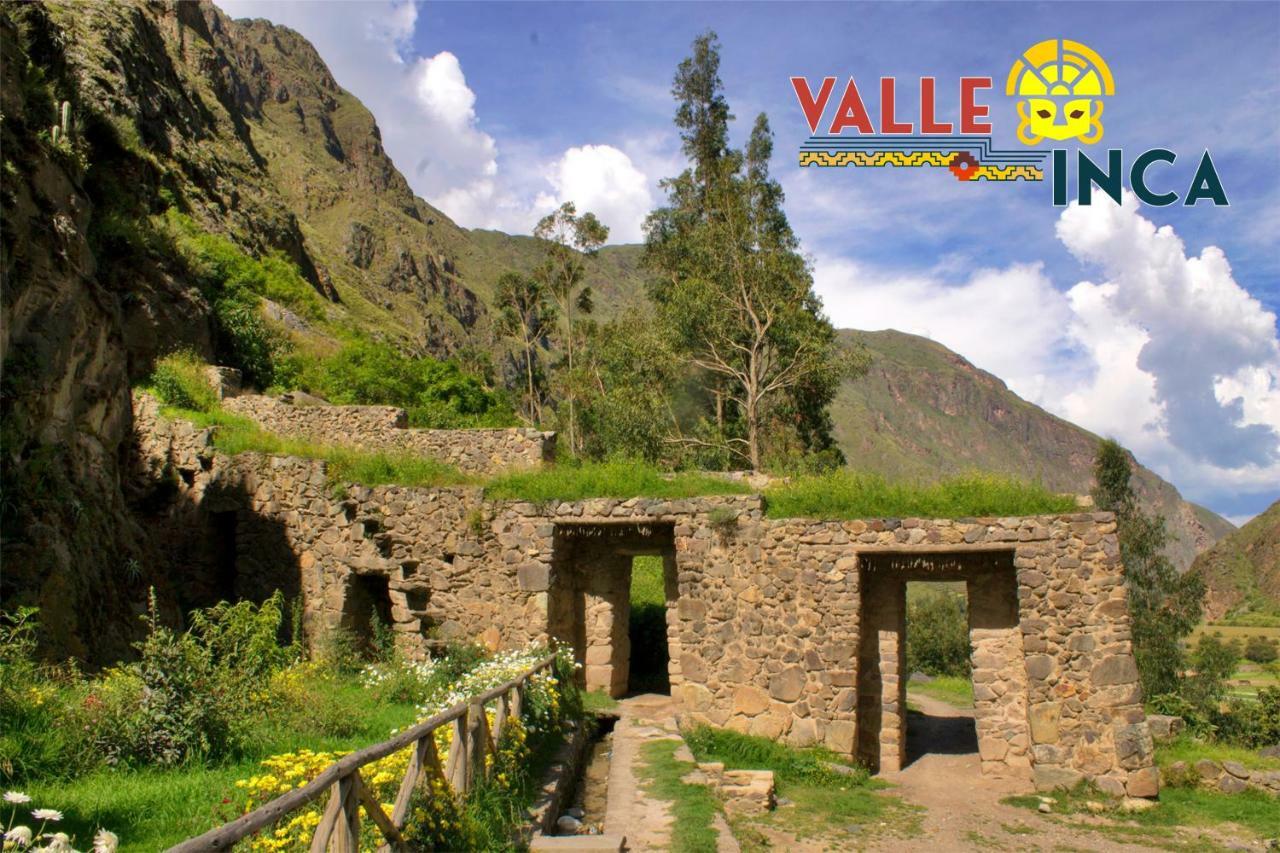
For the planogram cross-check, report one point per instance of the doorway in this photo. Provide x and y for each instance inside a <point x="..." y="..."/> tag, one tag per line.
<point x="367" y="610"/>
<point x="612" y="597"/>
<point x="938" y="671"/>
<point x="997" y="667"/>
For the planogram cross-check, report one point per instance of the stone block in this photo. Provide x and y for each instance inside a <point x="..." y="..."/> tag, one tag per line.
<point x="749" y="701"/>
<point x="1044" y="719"/>
<point x="1115" y="669"/>
<point x="1229" y="784"/>
<point x="1052" y="778"/>
<point x="840" y="736"/>
<point x="533" y="577"/>
<point x="788" y="685"/>
<point x="1208" y="769"/>
<point x="1143" y="782"/>
<point x="1165" y="726"/>
<point x="1039" y="667"/>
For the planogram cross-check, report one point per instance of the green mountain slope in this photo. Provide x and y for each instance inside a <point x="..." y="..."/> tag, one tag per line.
<point x="925" y="412"/>
<point x="1242" y="570"/>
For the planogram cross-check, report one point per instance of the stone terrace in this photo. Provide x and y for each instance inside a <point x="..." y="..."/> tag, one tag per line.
<point x="473" y="451"/>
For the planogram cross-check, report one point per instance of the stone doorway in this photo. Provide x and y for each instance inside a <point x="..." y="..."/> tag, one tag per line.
<point x="367" y="603"/>
<point x="995" y="639"/>
<point x="589" y="602"/>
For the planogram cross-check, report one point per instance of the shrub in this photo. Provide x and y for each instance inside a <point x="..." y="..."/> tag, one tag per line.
<point x="1251" y="723"/>
<point x="436" y="394"/>
<point x="40" y="730"/>
<point x="1212" y="664"/>
<point x="1260" y="649"/>
<point x="938" y="634"/>
<point x="180" y="380"/>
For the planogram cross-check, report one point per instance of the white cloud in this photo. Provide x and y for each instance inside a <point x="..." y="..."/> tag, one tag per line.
<point x="433" y="130"/>
<point x="603" y="180"/>
<point x="1168" y="354"/>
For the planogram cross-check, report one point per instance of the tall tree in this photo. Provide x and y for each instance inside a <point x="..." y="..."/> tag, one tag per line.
<point x="570" y="239"/>
<point x="527" y="314"/>
<point x="732" y="285"/>
<point x="1164" y="606"/>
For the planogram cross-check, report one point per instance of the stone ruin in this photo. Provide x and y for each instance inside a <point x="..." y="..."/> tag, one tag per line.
<point x="787" y="628"/>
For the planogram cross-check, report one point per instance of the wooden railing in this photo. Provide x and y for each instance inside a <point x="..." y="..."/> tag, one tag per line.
<point x="339" y="827"/>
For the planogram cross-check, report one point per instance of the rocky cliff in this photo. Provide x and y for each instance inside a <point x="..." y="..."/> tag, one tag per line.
<point x="925" y="412"/>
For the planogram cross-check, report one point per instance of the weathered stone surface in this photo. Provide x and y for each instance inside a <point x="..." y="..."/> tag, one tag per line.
<point x="1230" y="784"/>
<point x="1115" y="669"/>
<point x="750" y="701"/>
<point x="787" y="685"/>
<point x="1144" y="782"/>
<point x="1048" y="778"/>
<point x="1208" y="768"/>
<point x="1044" y="722"/>
<point x="1164" y="726"/>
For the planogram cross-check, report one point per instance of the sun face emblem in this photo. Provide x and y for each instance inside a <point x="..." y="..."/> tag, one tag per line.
<point x="1060" y="86"/>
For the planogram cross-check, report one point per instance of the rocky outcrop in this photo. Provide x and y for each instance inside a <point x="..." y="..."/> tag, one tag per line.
<point x="1242" y="571"/>
<point x="924" y="412"/>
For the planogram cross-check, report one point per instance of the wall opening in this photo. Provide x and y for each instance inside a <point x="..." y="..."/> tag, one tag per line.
<point x="368" y="603"/>
<point x="997" y="665"/>
<point x="223" y="528"/>
<point x="611" y="596"/>
<point x="938" y="671"/>
<point x="647" y="627"/>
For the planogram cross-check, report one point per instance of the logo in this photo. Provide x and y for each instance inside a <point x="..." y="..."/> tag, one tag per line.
<point x="1060" y="85"/>
<point x="1058" y="90"/>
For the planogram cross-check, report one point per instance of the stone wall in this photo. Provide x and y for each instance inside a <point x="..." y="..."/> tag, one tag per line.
<point x="474" y="451"/>
<point x="789" y="629"/>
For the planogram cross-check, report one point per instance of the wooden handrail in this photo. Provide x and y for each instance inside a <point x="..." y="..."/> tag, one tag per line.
<point x="341" y="778"/>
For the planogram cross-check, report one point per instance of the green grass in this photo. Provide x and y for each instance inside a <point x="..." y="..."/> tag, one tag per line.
<point x="694" y="807"/>
<point x="594" y="701"/>
<point x="618" y="479"/>
<point x="824" y="804"/>
<point x="152" y="808"/>
<point x="848" y="495"/>
<point x="841" y="495"/>
<point x="955" y="690"/>
<point x="1178" y="808"/>
<point x="236" y="434"/>
<point x="1190" y="749"/>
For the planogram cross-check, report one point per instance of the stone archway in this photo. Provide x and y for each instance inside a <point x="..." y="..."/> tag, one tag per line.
<point x="999" y="666"/>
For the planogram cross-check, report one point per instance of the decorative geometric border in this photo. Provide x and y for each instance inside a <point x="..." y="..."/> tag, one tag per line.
<point x="939" y="159"/>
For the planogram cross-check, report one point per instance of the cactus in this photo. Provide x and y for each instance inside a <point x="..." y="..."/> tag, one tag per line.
<point x="66" y="119"/>
<point x="54" y="133"/>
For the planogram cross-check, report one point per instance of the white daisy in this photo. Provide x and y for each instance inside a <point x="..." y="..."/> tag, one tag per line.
<point x="47" y="814"/>
<point x="105" y="842"/>
<point x="16" y="797"/>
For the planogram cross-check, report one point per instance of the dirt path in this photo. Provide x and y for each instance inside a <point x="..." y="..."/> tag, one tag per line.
<point x="962" y="806"/>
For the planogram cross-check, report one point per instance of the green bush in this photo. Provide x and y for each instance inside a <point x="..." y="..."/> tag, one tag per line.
<point x="1260" y="649"/>
<point x="41" y="734"/>
<point x="1250" y="722"/>
<point x="938" y="634"/>
<point x="847" y="494"/>
<point x="180" y="380"/>
<point x="435" y="394"/>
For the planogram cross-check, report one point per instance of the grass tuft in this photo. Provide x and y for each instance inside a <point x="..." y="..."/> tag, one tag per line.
<point x="614" y="479"/>
<point x="694" y="807"/>
<point x="847" y="495"/>
<point x="747" y="752"/>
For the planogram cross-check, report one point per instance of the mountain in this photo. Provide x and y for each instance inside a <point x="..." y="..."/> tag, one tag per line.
<point x="1242" y="570"/>
<point x="240" y="127"/>
<point x="925" y="412"/>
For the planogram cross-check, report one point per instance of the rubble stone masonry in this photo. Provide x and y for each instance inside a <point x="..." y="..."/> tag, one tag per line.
<point x="786" y="628"/>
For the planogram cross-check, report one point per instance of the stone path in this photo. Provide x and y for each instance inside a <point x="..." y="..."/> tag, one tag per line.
<point x="645" y="821"/>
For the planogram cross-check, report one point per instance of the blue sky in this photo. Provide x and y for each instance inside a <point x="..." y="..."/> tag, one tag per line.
<point x="1156" y="325"/>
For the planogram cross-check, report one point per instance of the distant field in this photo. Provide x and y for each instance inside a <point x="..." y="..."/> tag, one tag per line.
<point x="1230" y="632"/>
<point x="1248" y="677"/>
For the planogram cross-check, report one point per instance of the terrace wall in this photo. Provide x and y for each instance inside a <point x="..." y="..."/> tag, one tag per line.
<point x="765" y="616"/>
